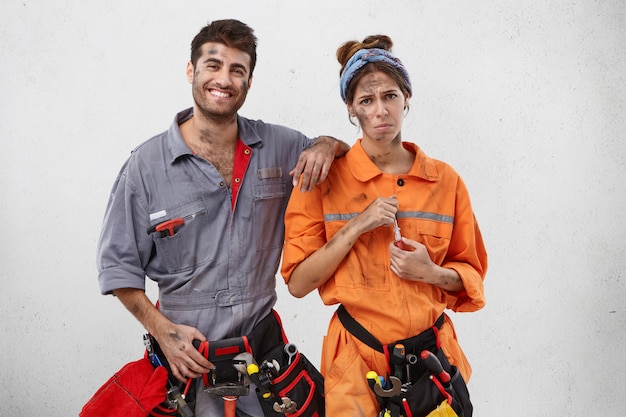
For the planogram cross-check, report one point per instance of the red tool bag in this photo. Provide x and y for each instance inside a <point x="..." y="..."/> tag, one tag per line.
<point x="133" y="391"/>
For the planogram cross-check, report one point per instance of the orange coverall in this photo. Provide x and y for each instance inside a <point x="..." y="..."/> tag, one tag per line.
<point x="434" y="209"/>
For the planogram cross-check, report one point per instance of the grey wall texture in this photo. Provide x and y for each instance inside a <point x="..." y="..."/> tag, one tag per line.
<point x="527" y="100"/>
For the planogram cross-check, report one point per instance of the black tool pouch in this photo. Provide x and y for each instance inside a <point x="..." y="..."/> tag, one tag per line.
<point x="424" y="391"/>
<point x="224" y="379"/>
<point x="299" y="381"/>
<point x="425" y="388"/>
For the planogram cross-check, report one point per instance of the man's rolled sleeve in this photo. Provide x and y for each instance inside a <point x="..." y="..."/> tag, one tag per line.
<point x="124" y="246"/>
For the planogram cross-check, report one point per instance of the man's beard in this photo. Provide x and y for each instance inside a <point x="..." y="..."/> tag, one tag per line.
<point x="218" y="117"/>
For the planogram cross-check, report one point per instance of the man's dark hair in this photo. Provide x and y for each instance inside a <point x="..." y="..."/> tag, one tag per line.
<point x="230" y="32"/>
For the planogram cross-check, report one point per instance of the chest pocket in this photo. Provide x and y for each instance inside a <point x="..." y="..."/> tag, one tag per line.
<point x="435" y="235"/>
<point x="191" y="244"/>
<point x="270" y="201"/>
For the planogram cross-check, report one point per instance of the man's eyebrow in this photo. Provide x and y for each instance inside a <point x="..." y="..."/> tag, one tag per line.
<point x="213" y="59"/>
<point x="242" y="66"/>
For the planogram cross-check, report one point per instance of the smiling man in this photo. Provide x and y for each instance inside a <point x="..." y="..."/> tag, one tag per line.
<point x="199" y="209"/>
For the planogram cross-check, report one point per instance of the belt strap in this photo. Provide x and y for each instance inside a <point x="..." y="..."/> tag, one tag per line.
<point x="361" y="333"/>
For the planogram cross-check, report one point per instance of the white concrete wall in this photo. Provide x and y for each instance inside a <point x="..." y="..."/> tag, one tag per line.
<point x="526" y="99"/>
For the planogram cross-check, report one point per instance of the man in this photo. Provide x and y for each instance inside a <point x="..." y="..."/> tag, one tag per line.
<point x="199" y="209"/>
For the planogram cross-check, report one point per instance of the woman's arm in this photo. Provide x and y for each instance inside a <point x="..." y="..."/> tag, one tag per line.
<point x="318" y="267"/>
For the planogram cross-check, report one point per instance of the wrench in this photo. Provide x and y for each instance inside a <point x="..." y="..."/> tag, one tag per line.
<point x="291" y="351"/>
<point x="410" y="360"/>
<point x="396" y="388"/>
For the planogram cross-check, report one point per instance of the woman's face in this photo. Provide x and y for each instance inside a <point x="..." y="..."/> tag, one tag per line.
<point x="379" y="106"/>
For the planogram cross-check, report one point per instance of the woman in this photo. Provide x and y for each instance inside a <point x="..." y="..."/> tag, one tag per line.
<point x="340" y="238"/>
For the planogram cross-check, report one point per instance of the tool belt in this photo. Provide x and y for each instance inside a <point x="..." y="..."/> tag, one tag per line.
<point x="415" y="387"/>
<point x="286" y="381"/>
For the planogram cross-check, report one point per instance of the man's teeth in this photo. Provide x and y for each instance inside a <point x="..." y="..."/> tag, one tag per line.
<point x="219" y="94"/>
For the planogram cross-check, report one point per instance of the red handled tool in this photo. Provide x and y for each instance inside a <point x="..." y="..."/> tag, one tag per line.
<point x="168" y="226"/>
<point x="439" y="376"/>
<point x="434" y="365"/>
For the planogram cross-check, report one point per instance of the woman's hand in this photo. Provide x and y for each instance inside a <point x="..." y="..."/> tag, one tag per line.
<point x="380" y="212"/>
<point x="415" y="265"/>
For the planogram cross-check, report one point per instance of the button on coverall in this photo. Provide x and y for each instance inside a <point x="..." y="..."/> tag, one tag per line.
<point x="433" y="209"/>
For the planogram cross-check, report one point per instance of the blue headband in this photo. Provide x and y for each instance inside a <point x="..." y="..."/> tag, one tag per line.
<point x="365" y="56"/>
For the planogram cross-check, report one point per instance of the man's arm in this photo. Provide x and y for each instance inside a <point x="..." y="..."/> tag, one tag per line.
<point x="175" y="340"/>
<point x="314" y="162"/>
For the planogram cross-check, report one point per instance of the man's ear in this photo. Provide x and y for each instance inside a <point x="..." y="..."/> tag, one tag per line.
<point x="190" y="70"/>
<point x="249" y="82"/>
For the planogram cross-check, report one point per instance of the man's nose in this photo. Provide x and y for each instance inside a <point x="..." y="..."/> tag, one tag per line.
<point x="223" y="77"/>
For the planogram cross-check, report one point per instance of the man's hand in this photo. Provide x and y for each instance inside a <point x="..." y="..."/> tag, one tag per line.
<point x="314" y="162"/>
<point x="175" y="340"/>
<point x="176" y="343"/>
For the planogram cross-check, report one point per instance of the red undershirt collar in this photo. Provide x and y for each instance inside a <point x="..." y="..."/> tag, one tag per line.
<point x="242" y="159"/>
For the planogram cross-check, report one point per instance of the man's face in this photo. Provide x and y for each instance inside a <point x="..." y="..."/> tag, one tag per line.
<point x="220" y="80"/>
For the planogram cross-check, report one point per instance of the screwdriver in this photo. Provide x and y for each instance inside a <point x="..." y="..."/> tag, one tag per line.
<point x="434" y="365"/>
<point x="397" y="236"/>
